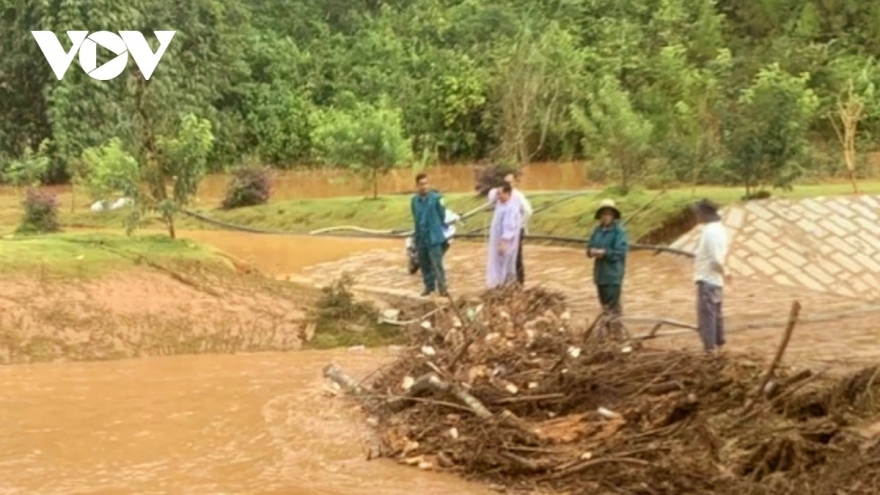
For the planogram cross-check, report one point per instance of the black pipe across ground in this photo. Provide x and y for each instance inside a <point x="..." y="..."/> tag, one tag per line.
<point x="403" y="235"/>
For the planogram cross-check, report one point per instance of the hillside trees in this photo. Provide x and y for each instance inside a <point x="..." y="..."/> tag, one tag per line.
<point x="510" y="80"/>
<point x="767" y="133"/>
<point x="367" y="139"/>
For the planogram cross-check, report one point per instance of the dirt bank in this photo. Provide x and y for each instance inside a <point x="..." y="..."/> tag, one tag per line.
<point x="147" y="308"/>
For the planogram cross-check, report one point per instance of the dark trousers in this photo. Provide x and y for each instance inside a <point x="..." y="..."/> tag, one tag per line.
<point x="520" y="271"/>
<point x="431" y="263"/>
<point x="710" y="318"/>
<point x="609" y="298"/>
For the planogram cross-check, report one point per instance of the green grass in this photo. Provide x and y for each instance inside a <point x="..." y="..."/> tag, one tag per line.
<point x="380" y="335"/>
<point x="570" y="218"/>
<point x="573" y="218"/>
<point x="91" y="254"/>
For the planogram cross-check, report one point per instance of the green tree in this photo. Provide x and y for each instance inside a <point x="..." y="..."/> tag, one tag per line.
<point x="366" y="139"/>
<point x="536" y="79"/>
<point x="617" y="134"/>
<point x="693" y="96"/>
<point x="767" y="133"/>
<point x="109" y="169"/>
<point x="27" y="170"/>
<point x="181" y="162"/>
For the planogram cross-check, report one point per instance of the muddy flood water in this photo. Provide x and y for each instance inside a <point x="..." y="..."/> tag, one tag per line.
<point x="281" y="255"/>
<point x="253" y="424"/>
<point x="206" y="425"/>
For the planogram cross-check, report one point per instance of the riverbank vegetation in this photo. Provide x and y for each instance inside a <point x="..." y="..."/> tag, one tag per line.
<point x="87" y="255"/>
<point x="558" y="213"/>
<point x="753" y="92"/>
<point x="339" y="319"/>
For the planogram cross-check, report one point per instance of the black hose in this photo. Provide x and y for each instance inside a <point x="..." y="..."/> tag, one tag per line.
<point x="402" y="235"/>
<point x="553" y="203"/>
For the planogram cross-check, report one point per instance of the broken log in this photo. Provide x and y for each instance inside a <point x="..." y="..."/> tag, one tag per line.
<point x="422" y="386"/>
<point x="341" y="378"/>
<point x="431" y="382"/>
<point x="472" y="402"/>
<point x="664" y="388"/>
<point x="789" y="328"/>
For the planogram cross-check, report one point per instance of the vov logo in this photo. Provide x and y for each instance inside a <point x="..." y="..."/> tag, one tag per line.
<point x="123" y="44"/>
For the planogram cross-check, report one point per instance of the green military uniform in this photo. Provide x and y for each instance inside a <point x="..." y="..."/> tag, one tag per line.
<point x="429" y="215"/>
<point x="608" y="271"/>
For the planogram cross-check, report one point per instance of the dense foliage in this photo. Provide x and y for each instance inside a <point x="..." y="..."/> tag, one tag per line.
<point x="665" y="90"/>
<point x="250" y="186"/>
<point x="40" y="213"/>
<point x="177" y="162"/>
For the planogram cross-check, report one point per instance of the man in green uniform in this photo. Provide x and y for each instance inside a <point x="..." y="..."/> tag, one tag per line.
<point x="429" y="215"/>
<point x="608" y="247"/>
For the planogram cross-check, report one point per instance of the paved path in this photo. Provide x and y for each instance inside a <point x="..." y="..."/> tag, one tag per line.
<point x="829" y="245"/>
<point x="656" y="286"/>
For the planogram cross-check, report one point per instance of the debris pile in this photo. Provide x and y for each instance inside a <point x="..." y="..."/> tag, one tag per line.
<point x="504" y="389"/>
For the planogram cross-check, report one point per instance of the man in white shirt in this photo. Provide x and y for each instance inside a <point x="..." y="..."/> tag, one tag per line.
<point x="710" y="274"/>
<point x="526" y="212"/>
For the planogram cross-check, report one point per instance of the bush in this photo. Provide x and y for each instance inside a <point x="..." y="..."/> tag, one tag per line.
<point x="490" y="176"/>
<point x="40" y="213"/>
<point x="250" y="186"/>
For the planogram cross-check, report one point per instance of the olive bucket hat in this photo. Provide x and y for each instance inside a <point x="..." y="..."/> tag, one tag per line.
<point x="608" y="204"/>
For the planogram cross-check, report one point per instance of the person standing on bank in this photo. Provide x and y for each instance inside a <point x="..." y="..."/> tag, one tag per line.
<point x="504" y="239"/>
<point x="429" y="216"/>
<point x="608" y="246"/>
<point x="525" y="209"/>
<point x="710" y="273"/>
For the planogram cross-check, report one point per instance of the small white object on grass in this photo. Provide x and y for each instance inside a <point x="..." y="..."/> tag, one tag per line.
<point x="428" y="350"/>
<point x="626" y="350"/>
<point x="426" y="325"/>
<point x="574" y="351"/>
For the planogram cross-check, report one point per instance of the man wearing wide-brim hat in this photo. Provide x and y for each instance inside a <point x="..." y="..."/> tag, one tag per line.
<point x="710" y="274"/>
<point x="608" y="246"/>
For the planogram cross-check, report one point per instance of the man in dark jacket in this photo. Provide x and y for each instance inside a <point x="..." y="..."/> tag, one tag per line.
<point x="429" y="215"/>
<point x="608" y="247"/>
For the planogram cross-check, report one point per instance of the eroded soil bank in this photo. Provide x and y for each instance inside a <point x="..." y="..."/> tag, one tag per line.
<point x="147" y="310"/>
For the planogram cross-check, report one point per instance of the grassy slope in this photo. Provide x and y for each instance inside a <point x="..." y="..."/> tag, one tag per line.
<point x="92" y="254"/>
<point x="571" y="218"/>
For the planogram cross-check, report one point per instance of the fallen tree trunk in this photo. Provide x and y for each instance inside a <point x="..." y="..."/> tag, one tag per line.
<point x="341" y="378"/>
<point x="427" y="383"/>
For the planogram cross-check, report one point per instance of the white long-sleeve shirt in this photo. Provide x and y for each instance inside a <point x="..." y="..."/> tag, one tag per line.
<point x="525" y="207"/>
<point x="449" y="221"/>
<point x="711" y="254"/>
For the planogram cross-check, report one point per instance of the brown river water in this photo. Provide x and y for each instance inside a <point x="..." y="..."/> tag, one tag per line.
<point x="194" y="425"/>
<point x="251" y="424"/>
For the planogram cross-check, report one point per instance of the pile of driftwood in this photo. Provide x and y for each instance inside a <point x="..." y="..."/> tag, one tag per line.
<point x="501" y="388"/>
